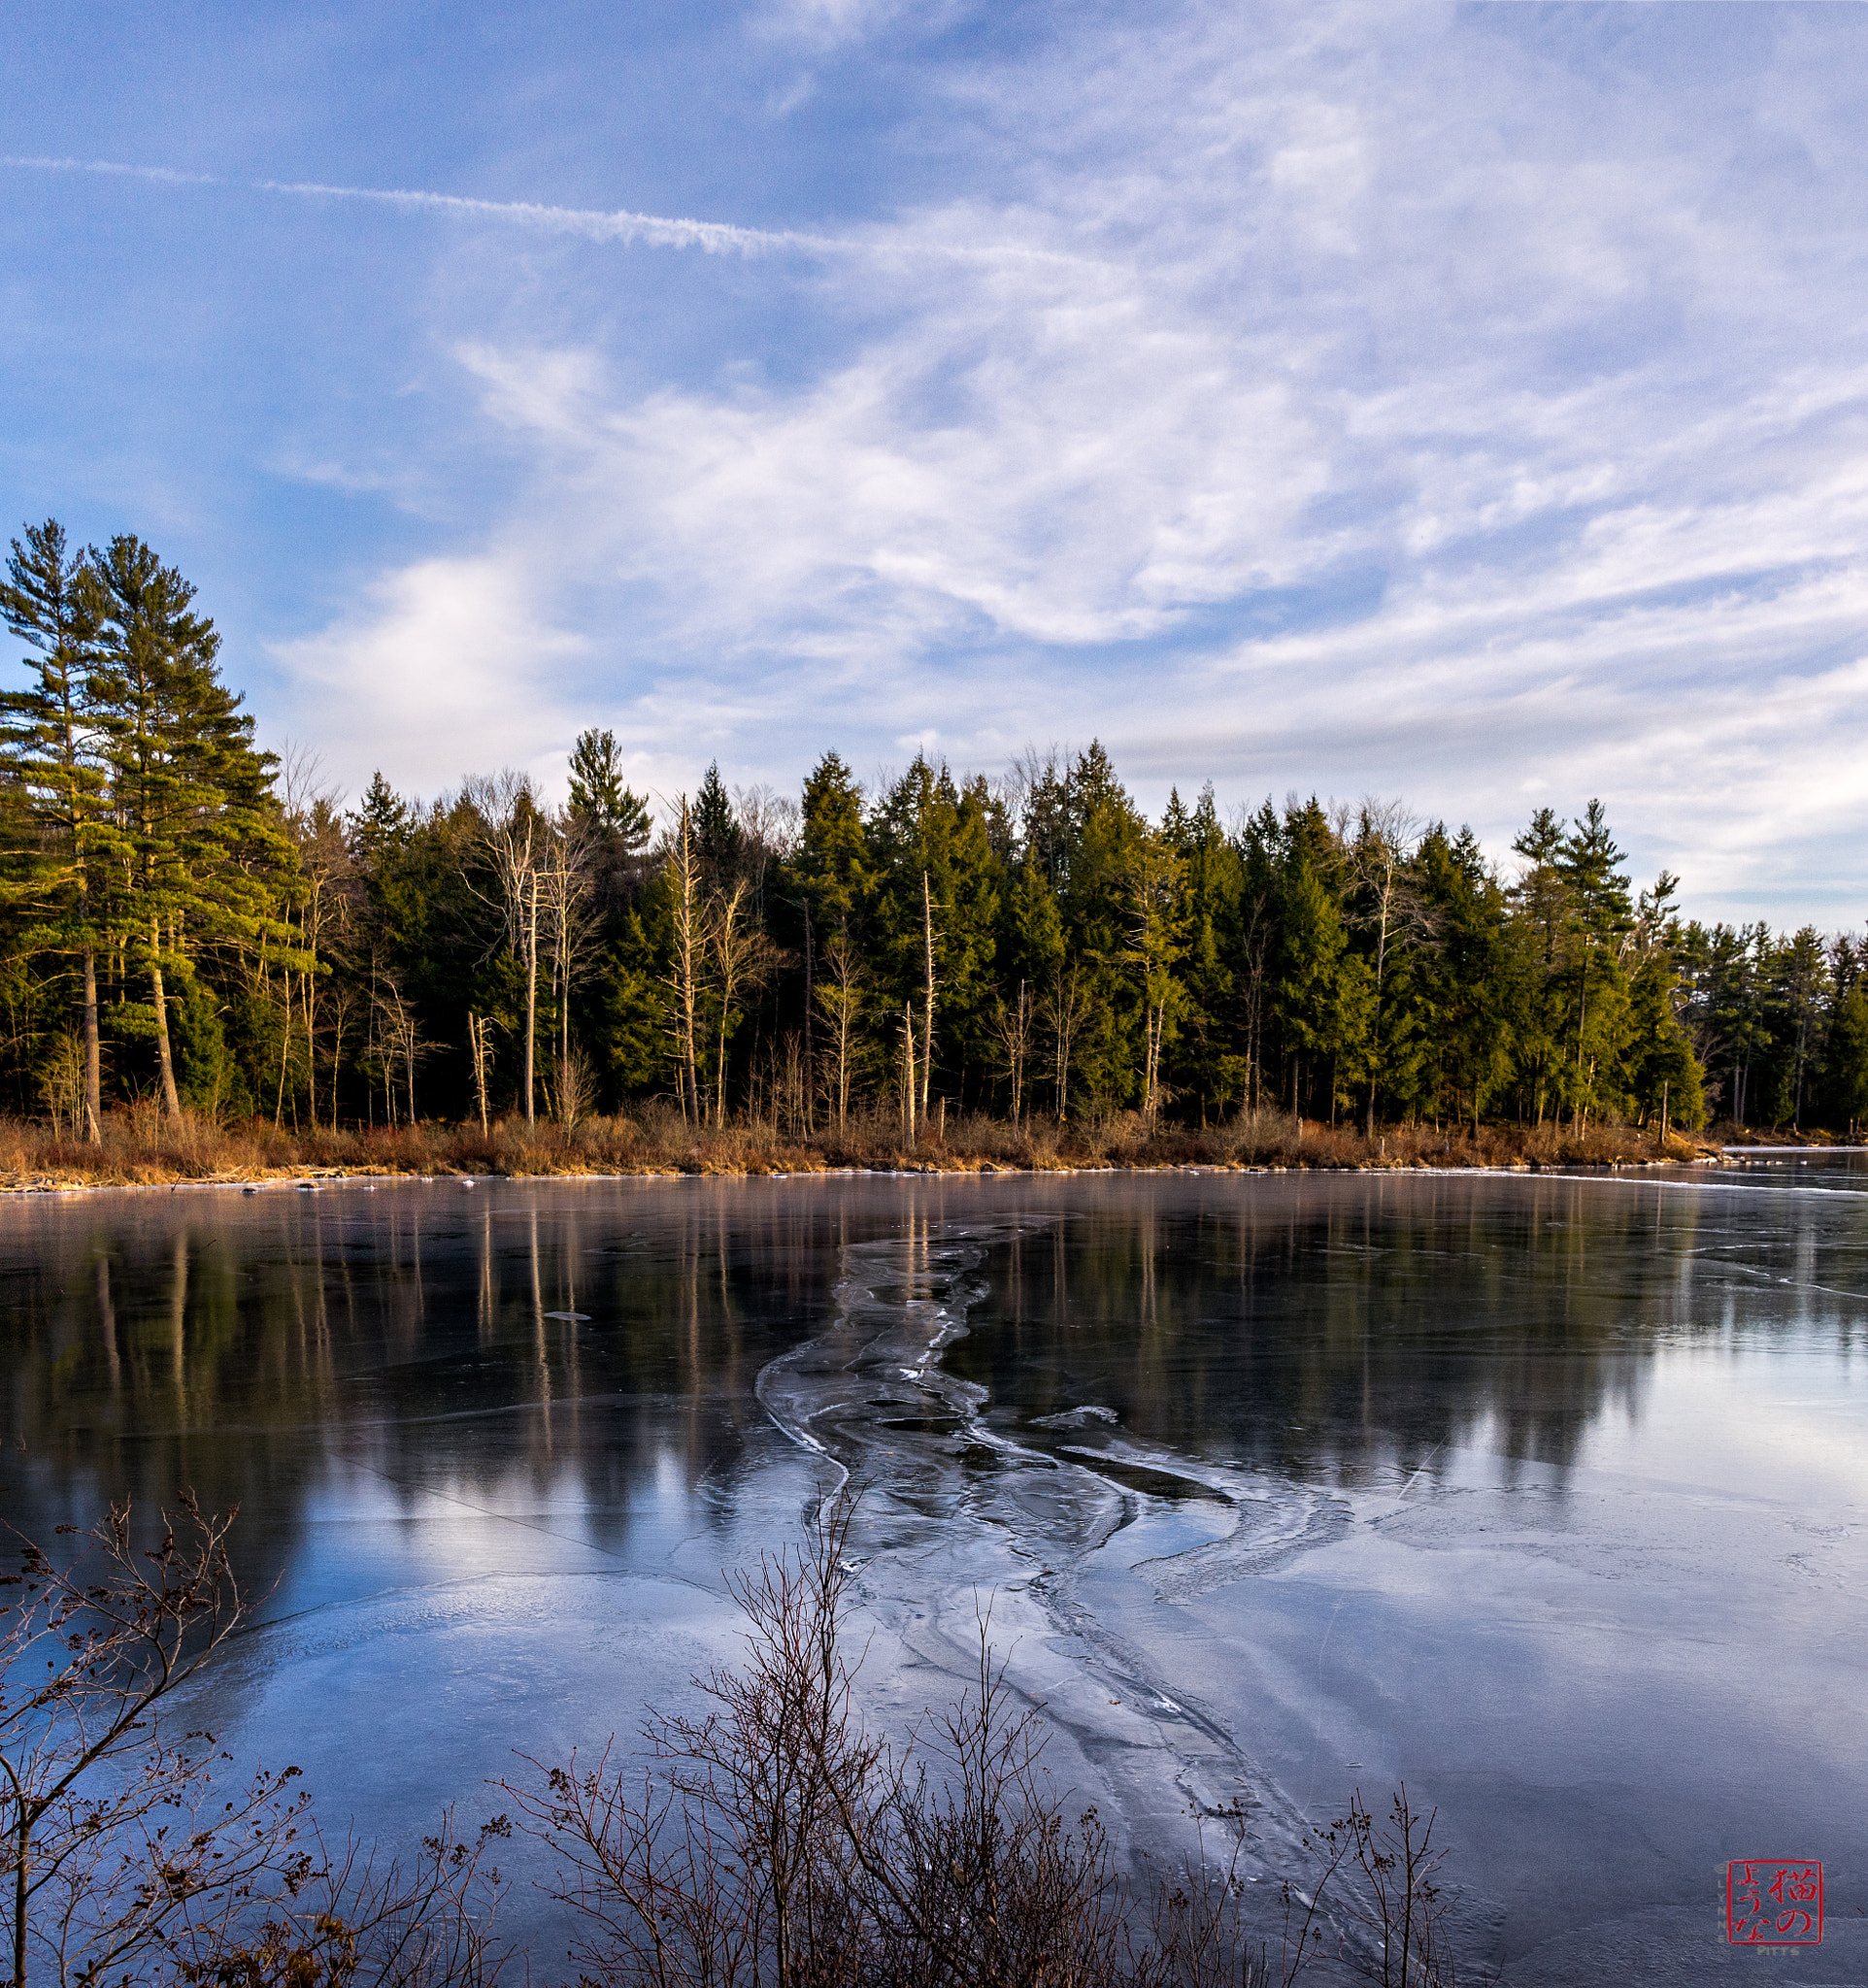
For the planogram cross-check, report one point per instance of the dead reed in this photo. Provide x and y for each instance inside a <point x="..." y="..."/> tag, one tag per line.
<point x="141" y="1146"/>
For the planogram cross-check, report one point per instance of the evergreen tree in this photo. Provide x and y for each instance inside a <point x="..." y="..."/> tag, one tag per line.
<point x="1799" y="986"/>
<point x="1541" y="901"/>
<point x="598" y="796"/>
<point x="1847" y="1060"/>
<point x="381" y="823"/>
<point x="1600" y="919"/>
<point x="832" y="864"/>
<point x="1321" y="994"/>
<point x="1206" y="1064"/>
<point x="715" y="827"/>
<point x="48" y="736"/>
<point x="1103" y="857"/>
<point x="1472" y="987"/>
<point x="196" y="846"/>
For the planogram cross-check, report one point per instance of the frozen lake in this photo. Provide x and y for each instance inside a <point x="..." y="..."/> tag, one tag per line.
<point x="1546" y="1493"/>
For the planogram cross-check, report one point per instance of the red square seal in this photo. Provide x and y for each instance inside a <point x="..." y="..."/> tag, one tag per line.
<point x="1773" y="1901"/>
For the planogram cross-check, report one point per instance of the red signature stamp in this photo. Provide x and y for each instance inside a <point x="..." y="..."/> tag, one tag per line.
<point x="1773" y="1901"/>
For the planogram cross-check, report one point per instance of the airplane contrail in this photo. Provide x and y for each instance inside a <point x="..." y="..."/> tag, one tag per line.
<point x="593" y="225"/>
<point x="166" y="174"/>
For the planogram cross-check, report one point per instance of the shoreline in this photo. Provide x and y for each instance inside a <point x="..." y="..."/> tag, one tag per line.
<point x="140" y="1149"/>
<point x="309" y="1176"/>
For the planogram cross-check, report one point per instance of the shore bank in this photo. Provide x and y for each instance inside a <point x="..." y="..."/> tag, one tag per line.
<point x="140" y="1149"/>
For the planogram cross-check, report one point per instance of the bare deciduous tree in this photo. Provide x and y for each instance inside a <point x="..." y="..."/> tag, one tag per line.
<point x="741" y="955"/>
<point x="927" y="996"/>
<point x="108" y="1839"/>
<point x="569" y="928"/>
<point x="1064" y="1010"/>
<point x="397" y="1029"/>
<point x="773" y="1838"/>
<point x="1379" y="853"/>
<point x="776" y="1838"/>
<point x="839" y="1001"/>
<point x="479" y="1044"/>
<point x="1012" y="1026"/>
<point x="1154" y="945"/>
<point x="126" y="1859"/>
<point x="681" y="867"/>
<point x="517" y="839"/>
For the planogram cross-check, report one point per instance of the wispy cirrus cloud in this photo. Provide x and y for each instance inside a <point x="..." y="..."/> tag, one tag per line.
<point x="1468" y="402"/>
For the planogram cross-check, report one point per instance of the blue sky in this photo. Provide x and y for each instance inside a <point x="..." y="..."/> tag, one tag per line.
<point x="1466" y="403"/>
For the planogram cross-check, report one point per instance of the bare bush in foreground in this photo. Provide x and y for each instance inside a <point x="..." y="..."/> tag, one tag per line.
<point x="773" y="1841"/>
<point x="775" y="1838"/>
<point x="125" y="1859"/>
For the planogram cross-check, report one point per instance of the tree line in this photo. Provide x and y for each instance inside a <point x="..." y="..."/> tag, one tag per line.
<point x="191" y="922"/>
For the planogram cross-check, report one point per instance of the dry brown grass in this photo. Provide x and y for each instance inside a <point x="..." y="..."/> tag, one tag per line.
<point x="140" y="1148"/>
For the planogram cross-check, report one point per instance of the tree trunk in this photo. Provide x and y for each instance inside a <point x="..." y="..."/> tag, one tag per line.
<point x="171" y="1103"/>
<point x="810" y="1003"/>
<point x="531" y="995"/>
<point x="684" y="939"/>
<point x="93" y="1060"/>
<point x="928" y="1010"/>
<point x="310" y="1054"/>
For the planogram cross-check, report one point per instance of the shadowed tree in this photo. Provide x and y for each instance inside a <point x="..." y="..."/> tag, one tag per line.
<point x="49" y="736"/>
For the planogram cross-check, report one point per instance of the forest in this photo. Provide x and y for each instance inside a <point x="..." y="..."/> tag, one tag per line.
<point x="195" y="926"/>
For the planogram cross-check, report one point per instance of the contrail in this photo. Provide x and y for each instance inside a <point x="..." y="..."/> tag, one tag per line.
<point x="166" y="174"/>
<point x="592" y="224"/>
<point x="589" y="223"/>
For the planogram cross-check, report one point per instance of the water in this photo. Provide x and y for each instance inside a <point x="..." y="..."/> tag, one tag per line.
<point x="1545" y="1495"/>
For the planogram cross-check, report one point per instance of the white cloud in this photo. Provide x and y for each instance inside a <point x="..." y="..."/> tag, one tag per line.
<point x="451" y="666"/>
<point x="1416" y="400"/>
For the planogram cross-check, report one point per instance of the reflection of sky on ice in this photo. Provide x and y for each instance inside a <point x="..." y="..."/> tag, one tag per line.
<point x="1545" y="1494"/>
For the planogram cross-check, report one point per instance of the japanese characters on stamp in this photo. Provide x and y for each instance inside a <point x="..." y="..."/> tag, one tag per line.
<point x="1773" y="1901"/>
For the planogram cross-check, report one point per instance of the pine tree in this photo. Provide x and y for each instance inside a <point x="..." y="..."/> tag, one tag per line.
<point x="1321" y="993"/>
<point x="48" y="736"/>
<point x="1600" y="917"/>
<point x="1540" y="900"/>
<point x="381" y="823"/>
<point x="1102" y="857"/>
<point x="198" y="851"/>
<point x="598" y="796"/>
<point x="1471" y="988"/>
<point x="1847" y="1058"/>
<point x="833" y="866"/>
<point x="714" y="827"/>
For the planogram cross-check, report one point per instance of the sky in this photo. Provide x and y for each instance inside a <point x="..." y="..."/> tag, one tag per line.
<point x="1459" y="404"/>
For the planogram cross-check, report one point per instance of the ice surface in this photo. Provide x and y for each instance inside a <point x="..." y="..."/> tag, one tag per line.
<point x="1545" y="1495"/>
